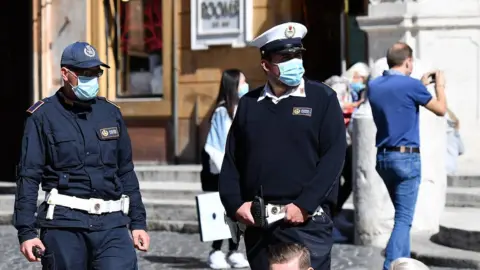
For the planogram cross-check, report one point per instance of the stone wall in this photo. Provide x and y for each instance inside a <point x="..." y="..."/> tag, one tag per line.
<point x="446" y="34"/>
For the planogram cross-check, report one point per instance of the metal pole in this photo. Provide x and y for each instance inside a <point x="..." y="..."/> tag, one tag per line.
<point x="31" y="59"/>
<point x="106" y="11"/>
<point x="343" y="36"/>
<point x="342" y="43"/>
<point x="174" y="83"/>
<point x="117" y="54"/>
<point x="39" y="19"/>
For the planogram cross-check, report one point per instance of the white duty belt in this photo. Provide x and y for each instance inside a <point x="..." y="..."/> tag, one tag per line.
<point x="277" y="212"/>
<point x="92" y="206"/>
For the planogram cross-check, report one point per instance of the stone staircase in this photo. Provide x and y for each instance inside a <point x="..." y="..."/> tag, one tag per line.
<point x="169" y="197"/>
<point x="457" y="244"/>
<point x="168" y="194"/>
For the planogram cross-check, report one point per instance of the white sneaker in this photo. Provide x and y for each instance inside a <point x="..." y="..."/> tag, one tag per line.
<point x="237" y="260"/>
<point x="216" y="260"/>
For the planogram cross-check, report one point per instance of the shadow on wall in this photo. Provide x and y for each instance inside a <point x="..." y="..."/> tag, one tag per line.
<point x="198" y="128"/>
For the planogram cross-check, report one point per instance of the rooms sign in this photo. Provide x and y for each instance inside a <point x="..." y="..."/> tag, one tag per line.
<point x="220" y="22"/>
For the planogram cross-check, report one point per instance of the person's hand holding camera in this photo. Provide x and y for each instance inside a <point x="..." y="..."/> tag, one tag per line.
<point x="439" y="78"/>
<point x="428" y="78"/>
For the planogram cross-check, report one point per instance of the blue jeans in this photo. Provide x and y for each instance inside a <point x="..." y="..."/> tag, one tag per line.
<point x="401" y="173"/>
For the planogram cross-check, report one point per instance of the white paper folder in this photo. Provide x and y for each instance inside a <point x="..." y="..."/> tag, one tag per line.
<point x="211" y="218"/>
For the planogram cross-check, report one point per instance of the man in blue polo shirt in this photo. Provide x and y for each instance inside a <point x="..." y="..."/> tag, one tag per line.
<point x="395" y="98"/>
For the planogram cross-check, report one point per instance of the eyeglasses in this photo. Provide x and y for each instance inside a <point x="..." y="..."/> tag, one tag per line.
<point x="288" y="56"/>
<point x="87" y="72"/>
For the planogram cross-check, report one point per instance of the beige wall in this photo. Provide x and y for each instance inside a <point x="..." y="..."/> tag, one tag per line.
<point x="57" y="24"/>
<point x="66" y="21"/>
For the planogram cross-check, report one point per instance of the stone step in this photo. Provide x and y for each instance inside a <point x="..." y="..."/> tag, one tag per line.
<point x="460" y="228"/>
<point x="463" y="181"/>
<point x="7" y="187"/>
<point x="169" y="173"/>
<point x="150" y="189"/>
<point x="170" y="190"/>
<point x="164" y="209"/>
<point x="176" y="210"/>
<point x="152" y="224"/>
<point x="171" y="215"/>
<point x="433" y="254"/>
<point x="463" y="197"/>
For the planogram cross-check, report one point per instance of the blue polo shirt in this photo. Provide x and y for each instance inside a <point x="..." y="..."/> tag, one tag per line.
<point x="395" y="100"/>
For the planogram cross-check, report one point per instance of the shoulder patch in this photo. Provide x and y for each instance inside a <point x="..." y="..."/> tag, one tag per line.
<point x="111" y="102"/>
<point x="35" y="106"/>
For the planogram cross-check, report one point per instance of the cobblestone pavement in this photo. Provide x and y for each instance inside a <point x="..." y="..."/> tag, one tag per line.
<point x="184" y="251"/>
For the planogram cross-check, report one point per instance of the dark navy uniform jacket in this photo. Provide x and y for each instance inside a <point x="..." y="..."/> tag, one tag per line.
<point x="83" y="150"/>
<point x="294" y="150"/>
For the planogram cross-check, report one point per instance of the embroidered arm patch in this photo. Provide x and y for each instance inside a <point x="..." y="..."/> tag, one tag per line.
<point x="35" y="106"/>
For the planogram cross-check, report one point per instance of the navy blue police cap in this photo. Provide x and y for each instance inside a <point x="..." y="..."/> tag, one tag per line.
<point x="283" y="38"/>
<point x="81" y="55"/>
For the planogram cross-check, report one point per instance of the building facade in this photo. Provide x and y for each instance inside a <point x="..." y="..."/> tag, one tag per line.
<point x="164" y="85"/>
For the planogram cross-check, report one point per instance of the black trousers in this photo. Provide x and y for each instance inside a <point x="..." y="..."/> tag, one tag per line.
<point x="217" y="245"/>
<point x="315" y="234"/>
<point x="79" y="249"/>
<point x="345" y="189"/>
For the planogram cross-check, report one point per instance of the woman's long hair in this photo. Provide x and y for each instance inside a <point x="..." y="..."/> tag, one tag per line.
<point x="228" y="92"/>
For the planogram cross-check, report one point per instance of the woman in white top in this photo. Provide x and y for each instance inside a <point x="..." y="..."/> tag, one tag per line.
<point x="232" y="87"/>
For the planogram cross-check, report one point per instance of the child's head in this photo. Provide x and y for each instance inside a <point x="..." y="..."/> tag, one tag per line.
<point x="407" y="264"/>
<point x="289" y="256"/>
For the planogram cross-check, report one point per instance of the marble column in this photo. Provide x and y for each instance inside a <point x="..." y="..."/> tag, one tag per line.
<point x="387" y="23"/>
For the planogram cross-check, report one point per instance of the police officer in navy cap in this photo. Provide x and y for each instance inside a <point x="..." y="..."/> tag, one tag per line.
<point x="76" y="147"/>
<point x="286" y="146"/>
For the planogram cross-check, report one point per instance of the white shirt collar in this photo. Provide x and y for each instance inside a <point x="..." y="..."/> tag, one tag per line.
<point x="298" y="91"/>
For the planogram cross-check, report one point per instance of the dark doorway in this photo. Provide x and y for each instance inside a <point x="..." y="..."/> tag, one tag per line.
<point x="322" y="58"/>
<point x="16" y="88"/>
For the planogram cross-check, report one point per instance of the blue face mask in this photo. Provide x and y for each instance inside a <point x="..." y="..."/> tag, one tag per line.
<point x="243" y="90"/>
<point x="87" y="88"/>
<point x="291" y="72"/>
<point x="357" y="87"/>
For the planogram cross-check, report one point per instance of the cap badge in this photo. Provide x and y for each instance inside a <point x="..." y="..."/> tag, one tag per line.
<point x="89" y="51"/>
<point x="290" y="31"/>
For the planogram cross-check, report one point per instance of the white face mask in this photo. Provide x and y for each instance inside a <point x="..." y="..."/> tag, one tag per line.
<point x="243" y="89"/>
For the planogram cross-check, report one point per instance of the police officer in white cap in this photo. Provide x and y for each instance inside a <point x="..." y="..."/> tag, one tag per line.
<point x="286" y="145"/>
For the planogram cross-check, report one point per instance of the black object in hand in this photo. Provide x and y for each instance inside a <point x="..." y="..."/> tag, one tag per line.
<point x="433" y="77"/>
<point x="258" y="211"/>
<point x="37" y="252"/>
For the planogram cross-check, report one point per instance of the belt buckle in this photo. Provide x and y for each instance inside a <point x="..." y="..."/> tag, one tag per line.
<point x="95" y="206"/>
<point x="274" y="209"/>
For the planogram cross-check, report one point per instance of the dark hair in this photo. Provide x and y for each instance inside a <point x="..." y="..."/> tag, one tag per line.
<point x="228" y="92"/>
<point x="398" y="53"/>
<point x="286" y="252"/>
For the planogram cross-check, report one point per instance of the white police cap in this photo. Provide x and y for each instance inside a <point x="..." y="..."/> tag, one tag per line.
<point x="286" y="37"/>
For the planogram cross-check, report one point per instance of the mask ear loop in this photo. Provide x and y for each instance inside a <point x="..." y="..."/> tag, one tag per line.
<point x="75" y="75"/>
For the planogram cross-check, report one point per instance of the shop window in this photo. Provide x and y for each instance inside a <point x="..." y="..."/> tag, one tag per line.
<point x="140" y="66"/>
